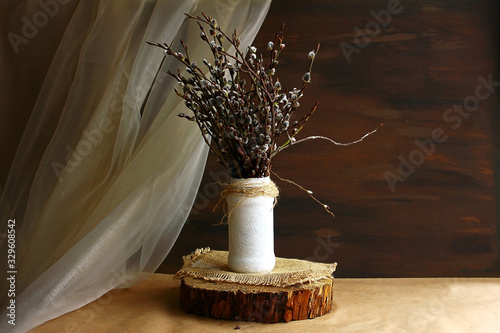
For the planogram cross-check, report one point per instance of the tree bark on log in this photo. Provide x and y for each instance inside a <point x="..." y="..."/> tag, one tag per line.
<point x="256" y="303"/>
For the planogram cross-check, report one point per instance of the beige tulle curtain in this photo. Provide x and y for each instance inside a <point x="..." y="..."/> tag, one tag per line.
<point x="106" y="173"/>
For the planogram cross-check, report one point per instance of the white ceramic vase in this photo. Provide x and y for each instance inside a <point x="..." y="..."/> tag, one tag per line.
<point x="251" y="230"/>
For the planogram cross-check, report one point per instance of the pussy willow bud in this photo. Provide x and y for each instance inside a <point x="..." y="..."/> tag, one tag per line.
<point x="307" y="77"/>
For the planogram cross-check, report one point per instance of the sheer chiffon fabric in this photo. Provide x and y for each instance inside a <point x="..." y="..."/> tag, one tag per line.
<point x="106" y="173"/>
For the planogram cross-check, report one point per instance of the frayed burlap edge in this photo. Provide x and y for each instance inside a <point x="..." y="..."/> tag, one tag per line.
<point x="212" y="266"/>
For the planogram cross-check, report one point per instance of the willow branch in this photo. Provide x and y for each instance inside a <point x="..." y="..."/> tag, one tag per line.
<point x="320" y="137"/>
<point x="309" y="192"/>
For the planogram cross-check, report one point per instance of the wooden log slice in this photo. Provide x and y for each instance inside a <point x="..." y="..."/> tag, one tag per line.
<point x="256" y="303"/>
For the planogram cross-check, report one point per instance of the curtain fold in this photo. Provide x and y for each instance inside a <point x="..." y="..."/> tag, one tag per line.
<point x="106" y="173"/>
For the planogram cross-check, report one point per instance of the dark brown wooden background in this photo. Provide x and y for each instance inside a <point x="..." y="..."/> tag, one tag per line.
<point x="443" y="219"/>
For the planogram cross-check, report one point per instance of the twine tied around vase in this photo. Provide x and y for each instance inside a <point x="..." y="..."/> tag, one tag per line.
<point x="247" y="188"/>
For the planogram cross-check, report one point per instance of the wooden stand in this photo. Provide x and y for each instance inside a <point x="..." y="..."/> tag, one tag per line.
<point x="256" y="303"/>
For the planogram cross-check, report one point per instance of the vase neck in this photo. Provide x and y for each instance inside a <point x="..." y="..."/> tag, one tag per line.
<point x="252" y="181"/>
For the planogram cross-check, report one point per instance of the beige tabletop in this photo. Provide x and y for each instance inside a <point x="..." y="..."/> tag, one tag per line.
<point x="361" y="305"/>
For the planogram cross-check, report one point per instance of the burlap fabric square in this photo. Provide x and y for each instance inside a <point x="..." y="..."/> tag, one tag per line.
<point x="212" y="265"/>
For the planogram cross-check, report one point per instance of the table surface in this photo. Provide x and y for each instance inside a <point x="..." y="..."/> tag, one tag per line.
<point x="360" y="305"/>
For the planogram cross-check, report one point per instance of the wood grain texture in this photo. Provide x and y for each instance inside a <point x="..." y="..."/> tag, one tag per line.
<point x="441" y="217"/>
<point x="256" y="303"/>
